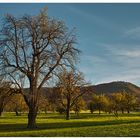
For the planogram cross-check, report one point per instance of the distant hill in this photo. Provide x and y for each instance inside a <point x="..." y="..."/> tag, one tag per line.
<point x="112" y="87"/>
<point x="105" y="88"/>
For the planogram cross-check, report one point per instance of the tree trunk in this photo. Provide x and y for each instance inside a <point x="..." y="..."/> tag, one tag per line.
<point x="122" y="111"/>
<point x="32" y="119"/>
<point x="33" y="108"/>
<point x="1" y="112"/>
<point x="128" y="111"/>
<point x="68" y="108"/>
<point x="1" y="109"/>
<point x="16" y="111"/>
<point x="91" y="111"/>
<point x="17" y="114"/>
<point x="45" y="109"/>
<point x="67" y="114"/>
<point x="76" y="114"/>
<point x="99" y="111"/>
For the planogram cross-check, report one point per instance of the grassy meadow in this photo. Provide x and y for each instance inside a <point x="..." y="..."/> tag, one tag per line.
<point x="87" y="125"/>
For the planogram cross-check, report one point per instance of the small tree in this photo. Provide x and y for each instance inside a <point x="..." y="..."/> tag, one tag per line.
<point x="78" y="106"/>
<point x="100" y="102"/>
<point x="70" y="84"/>
<point x="60" y="109"/>
<point x="91" y="107"/>
<point x="6" y="91"/>
<point x="44" y="104"/>
<point x="123" y="101"/>
<point x="130" y="102"/>
<point x="117" y="102"/>
<point x="17" y="104"/>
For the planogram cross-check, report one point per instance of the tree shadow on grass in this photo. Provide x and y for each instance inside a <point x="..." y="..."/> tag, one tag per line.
<point x="62" y="125"/>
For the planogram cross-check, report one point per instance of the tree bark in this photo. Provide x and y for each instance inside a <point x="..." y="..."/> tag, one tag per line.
<point x="17" y="114"/>
<point x="67" y="114"/>
<point x="99" y="111"/>
<point x="128" y="111"/>
<point x="1" y="108"/>
<point x="68" y="109"/>
<point x="33" y="108"/>
<point x="45" y="110"/>
<point x="32" y="119"/>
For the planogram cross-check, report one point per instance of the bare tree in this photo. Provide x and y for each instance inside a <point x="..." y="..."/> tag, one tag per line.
<point x="35" y="47"/>
<point x="70" y="84"/>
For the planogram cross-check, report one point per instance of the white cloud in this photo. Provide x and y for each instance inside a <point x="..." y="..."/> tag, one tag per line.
<point x="128" y="51"/>
<point x="130" y="75"/>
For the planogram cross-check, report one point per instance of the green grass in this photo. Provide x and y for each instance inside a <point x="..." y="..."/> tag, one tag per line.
<point x="88" y="125"/>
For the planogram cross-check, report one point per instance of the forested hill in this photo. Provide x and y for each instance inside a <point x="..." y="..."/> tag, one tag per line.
<point x="106" y="88"/>
<point x="113" y="87"/>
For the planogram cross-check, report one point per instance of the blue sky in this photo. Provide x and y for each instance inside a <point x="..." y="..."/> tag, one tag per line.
<point x="107" y="34"/>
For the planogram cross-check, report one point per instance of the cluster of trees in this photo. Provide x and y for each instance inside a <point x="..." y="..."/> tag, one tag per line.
<point x="66" y="97"/>
<point x="114" y="103"/>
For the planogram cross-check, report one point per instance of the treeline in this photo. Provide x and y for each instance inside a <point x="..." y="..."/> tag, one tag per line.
<point x="115" y="103"/>
<point x="124" y="102"/>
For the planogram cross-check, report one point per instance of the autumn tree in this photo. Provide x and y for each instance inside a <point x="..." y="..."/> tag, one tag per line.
<point x="6" y="92"/>
<point x="78" y="106"/>
<point x="100" y="102"/>
<point x="130" y="102"/>
<point x="70" y="83"/>
<point x="123" y="102"/>
<point x="44" y="104"/>
<point x="33" y="48"/>
<point x="91" y="107"/>
<point x="16" y="104"/>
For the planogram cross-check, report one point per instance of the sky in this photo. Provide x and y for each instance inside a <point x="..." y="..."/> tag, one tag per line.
<point x="107" y="34"/>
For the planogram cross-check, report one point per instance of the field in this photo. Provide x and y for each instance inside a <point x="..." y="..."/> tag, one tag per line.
<point x="87" y="125"/>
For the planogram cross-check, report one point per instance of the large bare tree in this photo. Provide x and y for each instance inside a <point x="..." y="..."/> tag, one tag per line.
<point x="34" y="48"/>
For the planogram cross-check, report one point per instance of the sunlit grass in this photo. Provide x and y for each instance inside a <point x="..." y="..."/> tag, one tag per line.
<point x="87" y="124"/>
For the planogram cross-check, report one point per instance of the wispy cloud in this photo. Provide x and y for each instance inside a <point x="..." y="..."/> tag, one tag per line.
<point x="133" y="33"/>
<point x="130" y="53"/>
<point x="128" y="76"/>
<point x="124" y="50"/>
<point x="122" y="64"/>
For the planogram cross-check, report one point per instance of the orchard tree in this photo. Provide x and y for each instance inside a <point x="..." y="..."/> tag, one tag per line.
<point x="130" y="102"/>
<point x="78" y="106"/>
<point x="6" y="91"/>
<point x="44" y="104"/>
<point x="100" y="102"/>
<point x="91" y="107"/>
<point x="16" y="104"/>
<point x="33" y="48"/>
<point x="118" y="101"/>
<point x="69" y="84"/>
<point x="124" y="101"/>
